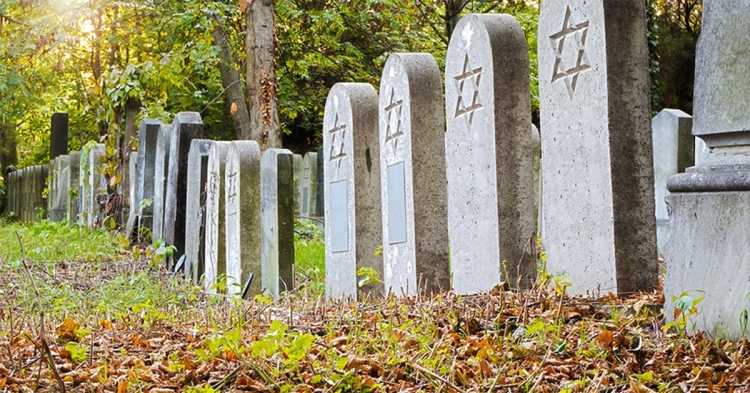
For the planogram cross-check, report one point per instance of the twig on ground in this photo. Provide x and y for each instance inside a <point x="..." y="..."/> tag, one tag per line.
<point x="436" y="376"/>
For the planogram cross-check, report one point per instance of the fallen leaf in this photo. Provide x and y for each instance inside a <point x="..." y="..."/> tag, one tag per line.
<point x="604" y="339"/>
<point x="67" y="330"/>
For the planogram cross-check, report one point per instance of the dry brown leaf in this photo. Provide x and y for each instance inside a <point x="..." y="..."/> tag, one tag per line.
<point x="604" y="339"/>
<point x="122" y="386"/>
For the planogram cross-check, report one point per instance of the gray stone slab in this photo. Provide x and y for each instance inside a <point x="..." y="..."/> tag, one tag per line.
<point x="216" y="263"/>
<point x="39" y="174"/>
<point x="320" y="182"/>
<point x="74" y="186"/>
<point x="148" y="138"/>
<point x="597" y="164"/>
<point x="297" y="167"/>
<point x="98" y="185"/>
<point x="674" y="148"/>
<point x="161" y="170"/>
<point x="489" y="156"/>
<point x="701" y="151"/>
<point x="58" y="192"/>
<point x="308" y="185"/>
<point x="130" y="225"/>
<point x="243" y="223"/>
<point x="185" y="127"/>
<point x="351" y="164"/>
<point x="277" y="221"/>
<point x="84" y="186"/>
<point x="195" y="221"/>
<point x="536" y="141"/>
<point x="412" y="124"/>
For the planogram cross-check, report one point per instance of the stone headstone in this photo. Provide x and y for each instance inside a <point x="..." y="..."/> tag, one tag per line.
<point x="84" y="200"/>
<point x="308" y="186"/>
<point x="597" y="166"/>
<point x="277" y="221"/>
<point x="536" y="141"/>
<point x="412" y="167"/>
<point x="74" y="186"/>
<point x="39" y="174"/>
<point x="161" y="170"/>
<point x="195" y="221"/>
<point x="489" y="163"/>
<point x="243" y="223"/>
<point x="353" y="232"/>
<point x="673" y="152"/>
<point x="148" y="138"/>
<point x="59" y="193"/>
<point x="98" y="185"/>
<point x="320" y="183"/>
<point x="707" y="253"/>
<point x="186" y="127"/>
<point x="59" y="135"/>
<point x="130" y="226"/>
<point x="216" y="263"/>
<point x="297" y="165"/>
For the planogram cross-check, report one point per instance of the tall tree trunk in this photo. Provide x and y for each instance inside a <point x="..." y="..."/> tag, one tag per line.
<point x="262" y="86"/>
<point x="230" y="79"/>
<point x="8" y="147"/>
<point x="118" y="207"/>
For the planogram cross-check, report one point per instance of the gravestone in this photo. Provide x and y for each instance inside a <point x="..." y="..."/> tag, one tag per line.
<point x="297" y="165"/>
<point x="39" y="175"/>
<point x="308" y="186"/>
<point x="707" y="253"/>
<point x="130" y="226"/>
<point x="277" y="221"/>
<point x="489" y="156"/>
<point x="352" y="180"/>
<point x="186" y="127"/>
<point x="58" y="192"/>
<point x="597" y="166"/>
<point x="195" y="221"/>
<point x="412" y="167"/>
<point x="536" y="141"/>
<point x="84" y="200"/>
<point x="243" y="224"/>
<point x="74" y="186"/>
<point x="161" y="170"/>
<point x="98" y="185"/>
<point x="673" y="152"/>
<point x="51" y="186"/>
<point x="58" y="135"/>
<point x="216" y="263"/>
<point x="148" y="138"/>
<point x="320" y="184"/>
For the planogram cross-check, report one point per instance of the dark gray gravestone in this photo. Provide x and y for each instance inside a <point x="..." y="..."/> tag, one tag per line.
<point x="148" y="137"/>
<point x="74" y="186"/>
<point x="59" y="135"/>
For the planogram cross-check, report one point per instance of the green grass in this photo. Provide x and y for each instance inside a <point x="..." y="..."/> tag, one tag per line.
<point x="309" y="258"/>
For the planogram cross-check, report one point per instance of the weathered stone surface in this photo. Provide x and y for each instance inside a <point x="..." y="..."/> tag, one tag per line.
<point x="216" y="263"/>
<point x="673" y="152"/>
<point x="148" y="138"/>
<point x="489" y="157"/>
<point x="320" y="182"/>
<point x="412" y="167"/>
<point x="701" y="151"/>
<point x="98" y="185"/>
<point x="195" y="216"/>
<point x="58" y="190"/>
<point x="308" y="185"/>
<point x="185" y="127"/>
<point x="37" y="183"/>
<point x="297" y="168"/>
<point x="130" y="225"/>
<point x="243" y="224"/>
<point x="597" y="166"/>
<point x="536" y="143"/>
<point x="74" y="186"/>
<point x="58" y="135"/>
<point x="352" y="181"/>
<point x="161" y="170"/>
<point x="84" y="185"/>
<point x="277" y="216"/>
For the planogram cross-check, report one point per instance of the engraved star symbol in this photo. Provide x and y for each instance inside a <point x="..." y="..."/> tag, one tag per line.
<point x="468" y="92"/>
<point x="333" y="132"/>
<point x="393" y="129"/>
<point x="564" y="68"/>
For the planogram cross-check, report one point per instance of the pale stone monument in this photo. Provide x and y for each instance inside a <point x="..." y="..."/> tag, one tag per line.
<point x="597" y="166"/>
<point x="58" y="192"/>
<point x="130" y="226"/>
<point x="489" y="157"/>
<point x="297" y="167"/>
<point x="708" y="252"/>
<point x="161" y="170"/>
<point x="74" y="187"/>
<point x="673" y="152"/>
<point x="216" y="263"/>
<point x="84" y="200"/>
<point x="412" y="167"/>
<point x="277" y="221"/>
<point x="185" y="127"/>
<point x="308" y="185"/>
<point x="536" y="142"/>
<point x="148" y="137"/>
<point x="97" y="184"/>
<point x="701" y="151"/>
<point x="243" y="224"/>
<point x="351" y="147"/>
<point x="195" y="216"/>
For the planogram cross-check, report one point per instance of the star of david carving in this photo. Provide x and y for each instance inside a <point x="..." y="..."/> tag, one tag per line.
<point x="393" y="119"/>
<point x="570" y="42"/>
<point x="468" y="92"/>
<point x="337" y="154"/>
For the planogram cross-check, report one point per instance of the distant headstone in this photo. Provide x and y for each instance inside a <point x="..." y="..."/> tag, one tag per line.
<point x="74" y="186"/>
<point x="161" y="170"/>
<point x="148" y="138"/>
<point x="277" y="221"/>
<point x="297" y="165"/>
<point x="216" y="263"/>
<point x="98" y="185"/>
<point x="185" y="127"/>
<point x="707" y="253"/>
<point x="130" y="226"/>
<point x="243" y="223"/>
<point x="59" y="135"/>
<point x="412" y="167"/>
<point x="195" y="221"/>
<point x="673" y="152"/>
<point x="308" y="186"/>
<point x="59" y="193"/>
<point x="320" y="184"/>
<point x="84" y="185"/>
<point x="489" y="163"/>
<point x="597" y="166"/>
<point x="352" y="182"/>
<point x="536" y="141"/>
<point x="39" y="175"/>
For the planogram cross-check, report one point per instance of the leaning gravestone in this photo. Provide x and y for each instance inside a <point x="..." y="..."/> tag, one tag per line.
<point x="161" y="170"/>
<point x="277" y="221"/>
<point x="708" y="253"/>
<point x="673" y="152"/>
<point x="489" y="162"/>
<point x="186" y="127"/>
<point x="195" y="213"/>
<point x="73" y="186"/>
<point x="352" y="181"/>
<point x="148" y="138"/>
<point x="216" y="263"/>
<point x="242" y="207"/>
<point x="308" y="186"/>
<point x="412" y="167"/>
<point x="597" y="169"/>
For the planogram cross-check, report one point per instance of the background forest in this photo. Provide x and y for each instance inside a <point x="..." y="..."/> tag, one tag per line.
<point x="110" y="63"/>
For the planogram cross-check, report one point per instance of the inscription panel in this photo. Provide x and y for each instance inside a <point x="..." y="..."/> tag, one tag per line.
<point x="339" y="196"/>
<point x="396" y="204"/>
